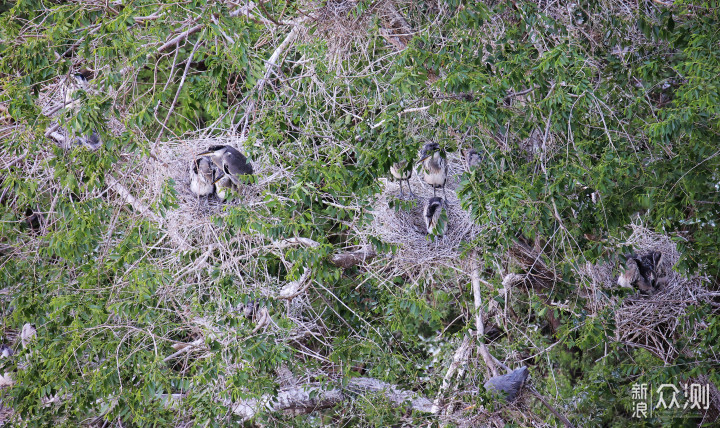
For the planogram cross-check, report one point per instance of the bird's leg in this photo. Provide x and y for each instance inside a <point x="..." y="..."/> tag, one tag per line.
<point x="402" y="195"/>
<point x="410" y="189"/>
<point x="444" y="196"/>
<point x="434" y="190"/>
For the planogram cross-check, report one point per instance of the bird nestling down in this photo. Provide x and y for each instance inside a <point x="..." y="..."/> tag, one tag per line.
<point x="401" y="173"/>
<point x="435" y="166"/>
<point x="222" y="185"/>
<point x="202" y="177"/>
<point x="435" y="222"/>
<point x="643" y="273"/>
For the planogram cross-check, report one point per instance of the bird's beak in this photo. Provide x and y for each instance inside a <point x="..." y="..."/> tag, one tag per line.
<point x="423" y="159"/>
<point x="203" y="154"/>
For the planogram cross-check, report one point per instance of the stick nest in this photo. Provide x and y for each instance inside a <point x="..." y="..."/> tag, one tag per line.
<point x="651" y="322"/>
<point x="416" y="251"/>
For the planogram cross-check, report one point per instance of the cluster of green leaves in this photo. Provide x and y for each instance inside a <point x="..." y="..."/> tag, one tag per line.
<point x="583" y="128"/>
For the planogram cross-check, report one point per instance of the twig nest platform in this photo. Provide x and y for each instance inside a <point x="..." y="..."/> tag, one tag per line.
<point x="399" y="221"/>
<point x="650" y="322"/>
<point x="192" y="217"/>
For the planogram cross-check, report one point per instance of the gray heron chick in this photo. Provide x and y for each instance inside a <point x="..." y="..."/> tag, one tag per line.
<point x="222" y="185"/>
<point x="230" y="161"/>
<point x="509" y="384"/>
<point x="79" y="81"/>
<point x="435" y="166"/>
<point x="472" y="158"/>
<point x="202" y="178"/>
<point x="434" y="223"/>
<point x="642" y="273"/>
<point x="6" y="351"/>
<point x="91" y="141"/>
<point x="400" y="173"/>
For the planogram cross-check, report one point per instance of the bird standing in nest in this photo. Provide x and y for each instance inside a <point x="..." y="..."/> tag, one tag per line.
<point x="203" y="177"/>
<point x="643" y="273"/>
<point x="434" y="223"/>
<point x="401" y="173"/>
<point x="435" y="166"/>
<point x="222" y="185"/>
<point x="80" y="81"/>
<point x="232" y="163"/>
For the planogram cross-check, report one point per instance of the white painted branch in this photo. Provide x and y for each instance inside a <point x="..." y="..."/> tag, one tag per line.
<point x="459" y="360"/>
<point x="482" y="348"/>
<point x="295" y="288"/>
<point x="310" y="397"/>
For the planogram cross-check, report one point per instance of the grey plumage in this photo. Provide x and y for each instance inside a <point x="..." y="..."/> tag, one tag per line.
<point x="78" y="82"/>
<point x="434" y="225"/>
<point x="472" y="158"/>
<point x="223" y="184"/>
<point x="230" y="161"/>
<point x="202" y="177"/>
<point x="91" y="141"/>
<point x="6" y="351"/>
<point x="435" y="166"/>
<point x="643" y="273"/>
<point x="509" y="384"/>
<point x="27" y="334"/>
<point x="400" y="173"/>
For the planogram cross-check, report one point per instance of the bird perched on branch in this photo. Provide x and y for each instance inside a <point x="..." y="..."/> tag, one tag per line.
<point x="230" y="161"/>
<point x="203" y="177"/>
<point x="434" y="223"/>
<point x="509" y="384"/>
<point x="401" y="173"/>
<point x="435" y="166"/>
<point x="643" y="273"/>
<point x="472" y="158"/>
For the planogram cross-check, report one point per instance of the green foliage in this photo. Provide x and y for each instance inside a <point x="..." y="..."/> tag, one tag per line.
<point x="588" y="120"/>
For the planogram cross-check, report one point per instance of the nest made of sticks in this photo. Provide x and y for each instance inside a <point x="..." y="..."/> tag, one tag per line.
<point x="650" y="322"/>
<point x="192" y="217"/>
<point x="416" y="250"/>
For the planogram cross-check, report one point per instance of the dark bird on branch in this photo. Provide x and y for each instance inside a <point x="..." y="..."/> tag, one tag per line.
<point x="435" y="166"/>
<point x="202" y="177"/>
<point x="91" y="141"/>
<point x="509" y="384"/>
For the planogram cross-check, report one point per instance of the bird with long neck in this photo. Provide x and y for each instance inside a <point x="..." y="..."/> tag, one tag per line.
<point x="435" y="166"/>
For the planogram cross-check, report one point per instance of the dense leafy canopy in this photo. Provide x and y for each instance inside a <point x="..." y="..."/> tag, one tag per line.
<point x="589" y="117"/>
